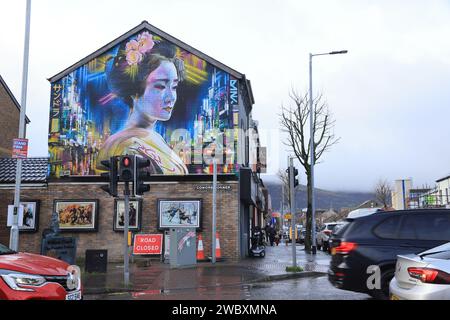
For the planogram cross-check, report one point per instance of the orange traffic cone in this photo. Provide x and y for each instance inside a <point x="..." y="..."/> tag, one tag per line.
<point x="200" y="250"/>
<point x="218" y="252"/>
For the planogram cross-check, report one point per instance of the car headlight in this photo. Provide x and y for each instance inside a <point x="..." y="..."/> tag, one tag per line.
<point x="16" y="280"/>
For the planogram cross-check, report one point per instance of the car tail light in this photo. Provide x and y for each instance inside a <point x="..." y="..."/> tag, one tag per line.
<point x="427" y="275"/>
<point x="345" y="248"/>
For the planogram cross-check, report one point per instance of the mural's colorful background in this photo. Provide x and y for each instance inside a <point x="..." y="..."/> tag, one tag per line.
<point x="84" y="113"/>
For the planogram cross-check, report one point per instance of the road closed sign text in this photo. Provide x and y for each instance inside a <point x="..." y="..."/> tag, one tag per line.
<point x="147" y="244"/>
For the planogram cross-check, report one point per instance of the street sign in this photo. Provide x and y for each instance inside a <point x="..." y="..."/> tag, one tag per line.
<point x="20" y="149"/>
<point x="147" y="244"/>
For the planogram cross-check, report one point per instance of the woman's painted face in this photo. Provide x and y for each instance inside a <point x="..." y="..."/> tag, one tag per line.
<point x="160" y="93"/>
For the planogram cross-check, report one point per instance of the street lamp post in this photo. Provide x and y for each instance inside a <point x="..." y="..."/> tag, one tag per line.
<point x="14" y="233"/>
<point x="312" y="146"/>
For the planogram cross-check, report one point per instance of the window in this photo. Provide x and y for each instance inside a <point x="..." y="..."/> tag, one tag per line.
<point x="441" y="255"/>
<point x="426" y="227"/>
<point x="388" y="229"/>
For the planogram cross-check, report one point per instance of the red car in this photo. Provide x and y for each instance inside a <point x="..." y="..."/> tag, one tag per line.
<point x="26" y="276"/>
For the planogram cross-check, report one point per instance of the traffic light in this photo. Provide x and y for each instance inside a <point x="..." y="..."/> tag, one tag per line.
<point x="295" y="176"/>
<point x="126" y="168"/>
<point x="140" y="174"/>
<point x="112" y="176"/>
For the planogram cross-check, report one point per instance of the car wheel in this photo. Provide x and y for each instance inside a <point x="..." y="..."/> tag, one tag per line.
<point x="262" y="254"/>
<point x="386" y="277"/>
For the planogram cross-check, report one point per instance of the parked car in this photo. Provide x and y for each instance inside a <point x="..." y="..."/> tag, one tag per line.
<point x="335" y="232"/>
<point x="26" y="276"/>
<point x="358" y="213"/>
<point x="302" y="235"/>
<point x="425" y="276"/>
<point x="377" y="240"/>
<point x="324" y="234"/>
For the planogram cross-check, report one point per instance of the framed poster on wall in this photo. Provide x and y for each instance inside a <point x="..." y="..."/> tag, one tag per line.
<point x="77" y="215"/>
<point x="30" y="216"/>
<point x="135" y="214"/>
<point x="178" y="213"/>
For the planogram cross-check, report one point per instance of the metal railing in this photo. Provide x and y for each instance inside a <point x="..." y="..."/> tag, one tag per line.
<point x="428" y="201"/>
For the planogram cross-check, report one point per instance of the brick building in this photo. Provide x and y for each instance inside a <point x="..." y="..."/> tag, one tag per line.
<point x="77" y="133"/>
<point x="9" y="119"/>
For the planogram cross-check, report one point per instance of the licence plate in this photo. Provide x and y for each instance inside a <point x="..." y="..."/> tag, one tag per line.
<point x="74" y="296"/>
<point x="394" y="297"/>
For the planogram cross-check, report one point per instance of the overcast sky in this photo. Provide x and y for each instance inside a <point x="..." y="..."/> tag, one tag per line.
<point x="389" y="94"/>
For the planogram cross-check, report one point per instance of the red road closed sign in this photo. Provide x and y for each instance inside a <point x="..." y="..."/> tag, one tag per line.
<point x="147" y="244"/>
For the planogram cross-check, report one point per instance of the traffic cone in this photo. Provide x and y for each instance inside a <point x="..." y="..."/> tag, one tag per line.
<point x="218" y="252"/>
<point x="200" y="250"/>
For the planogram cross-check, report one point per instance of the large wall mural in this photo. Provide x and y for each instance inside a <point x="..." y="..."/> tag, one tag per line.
<point x="145" y="96"/>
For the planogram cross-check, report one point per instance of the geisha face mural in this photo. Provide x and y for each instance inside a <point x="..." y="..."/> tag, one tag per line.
<point x="143" y="91"/>
<point x="160" y="93"/>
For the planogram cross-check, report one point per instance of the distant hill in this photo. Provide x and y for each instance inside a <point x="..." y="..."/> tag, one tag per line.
<point x="324" y="199"/>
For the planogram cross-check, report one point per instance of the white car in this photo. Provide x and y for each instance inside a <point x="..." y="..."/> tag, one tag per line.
<point x="358" y="213"/>
<point x="425" y="276"/>
<point x="324" y="234"/>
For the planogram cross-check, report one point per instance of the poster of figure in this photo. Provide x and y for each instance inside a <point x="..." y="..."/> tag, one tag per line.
<point x="144" y="96"/>
<point x="77" y="215"/>
<point x="179" y="213"/>
<point x="134" y="215"/>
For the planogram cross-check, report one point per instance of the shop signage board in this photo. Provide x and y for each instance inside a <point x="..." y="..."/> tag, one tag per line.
<point x="209" y="187"/>
<point x="147" y="244"/>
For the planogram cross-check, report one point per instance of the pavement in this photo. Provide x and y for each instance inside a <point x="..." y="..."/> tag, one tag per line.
<point x="157" y="277"/>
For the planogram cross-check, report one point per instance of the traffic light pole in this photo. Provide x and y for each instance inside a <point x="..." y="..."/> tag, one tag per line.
<point x="214" y="191"/>
<point x="125" y="234"/>
<point x="292" y="205"/>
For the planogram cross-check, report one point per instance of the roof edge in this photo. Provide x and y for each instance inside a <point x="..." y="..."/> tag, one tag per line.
<point x="148" y="26"/>
<point x="442" y="179"/>
<point x="13" y="98"/>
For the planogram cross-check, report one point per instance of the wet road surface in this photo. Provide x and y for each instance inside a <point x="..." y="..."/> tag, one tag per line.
<point x="313" y="288"/>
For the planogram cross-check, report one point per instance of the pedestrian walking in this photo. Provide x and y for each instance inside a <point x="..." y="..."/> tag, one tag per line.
<point x="272" y="235"/>
<point x="267" y="231"/>
<point x="277" y="238"/>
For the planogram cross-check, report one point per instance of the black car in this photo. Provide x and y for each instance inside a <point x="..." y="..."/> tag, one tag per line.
<point x="376" y="240"/>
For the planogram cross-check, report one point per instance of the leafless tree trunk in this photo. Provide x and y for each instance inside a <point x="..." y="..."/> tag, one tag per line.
<point x="383" y="192"/>
<point x="283" y="176"/>
<point x="294" y="121"/>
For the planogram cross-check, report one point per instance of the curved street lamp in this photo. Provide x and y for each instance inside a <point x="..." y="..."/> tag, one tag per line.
<point x="311" y="118"/>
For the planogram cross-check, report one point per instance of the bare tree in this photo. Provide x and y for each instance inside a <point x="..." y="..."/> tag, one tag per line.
<point x="294" y="121"/>
<point x="383" y="192"/>
<point x="283" y="176"/>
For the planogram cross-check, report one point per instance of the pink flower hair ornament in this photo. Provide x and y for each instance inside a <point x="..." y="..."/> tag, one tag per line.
<point x="135" y="50"/>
